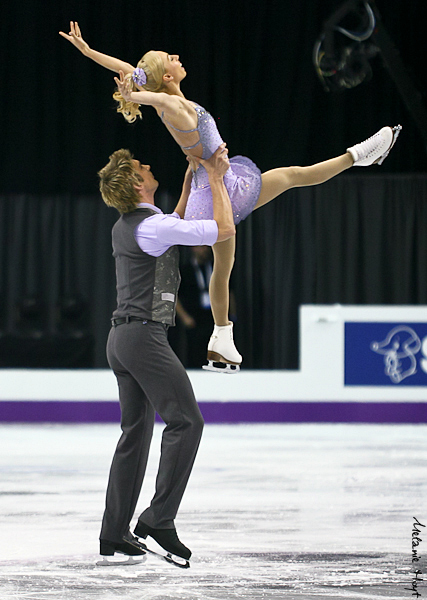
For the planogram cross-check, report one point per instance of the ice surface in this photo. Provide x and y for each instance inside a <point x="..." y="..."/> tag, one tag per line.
<point x="271" y="511"/>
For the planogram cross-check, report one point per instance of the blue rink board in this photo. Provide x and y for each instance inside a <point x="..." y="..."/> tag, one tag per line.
<point x="385" y="354"/>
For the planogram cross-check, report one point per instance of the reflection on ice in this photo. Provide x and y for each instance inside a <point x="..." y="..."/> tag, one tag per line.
<point x="271" y="511"/>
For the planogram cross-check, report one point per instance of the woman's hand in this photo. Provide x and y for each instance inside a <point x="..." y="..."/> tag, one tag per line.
<point x="124" y="86"/>
<point x="75" y="37"/>
<point x="193" y="164"/>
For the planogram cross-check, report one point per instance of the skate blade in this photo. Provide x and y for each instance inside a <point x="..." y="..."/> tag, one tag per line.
<point x="396" y="130"/>
<point x="172" y="559"/>
<point x="111" y="561"/>
<point x="177" y="561"/>
<point x="220" y="367"/>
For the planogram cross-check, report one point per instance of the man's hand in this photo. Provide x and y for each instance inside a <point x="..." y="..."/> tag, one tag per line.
<point x="75" y="37"/>
<point x="218" y="164"/>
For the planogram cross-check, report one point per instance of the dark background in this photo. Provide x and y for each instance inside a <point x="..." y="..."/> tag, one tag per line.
<point x="357" y="239"/>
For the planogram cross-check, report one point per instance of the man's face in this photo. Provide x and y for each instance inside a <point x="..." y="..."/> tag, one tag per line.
<point x="150" y="183"/>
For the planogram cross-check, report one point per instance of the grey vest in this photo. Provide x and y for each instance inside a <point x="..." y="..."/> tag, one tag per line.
<point x="147" y="286"/>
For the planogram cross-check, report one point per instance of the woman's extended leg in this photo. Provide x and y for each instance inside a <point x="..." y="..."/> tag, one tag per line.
<point x="373" y="150"/>
<point x="221" y="348"/>
<point x="277" y="181"/>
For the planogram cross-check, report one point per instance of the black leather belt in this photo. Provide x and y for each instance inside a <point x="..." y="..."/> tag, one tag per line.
<point x="128" y="319"/>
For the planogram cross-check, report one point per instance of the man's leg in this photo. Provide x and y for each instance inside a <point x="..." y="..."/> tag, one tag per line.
<point x="143" y="349"/>
<point x="131" y="455"/>
<point x="169" y="389"/>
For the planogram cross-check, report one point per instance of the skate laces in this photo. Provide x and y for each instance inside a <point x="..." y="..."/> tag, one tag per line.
<point x="369" y="146"/>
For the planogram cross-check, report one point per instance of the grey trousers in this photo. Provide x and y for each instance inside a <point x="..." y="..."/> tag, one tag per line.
<point x="151" y="379"/>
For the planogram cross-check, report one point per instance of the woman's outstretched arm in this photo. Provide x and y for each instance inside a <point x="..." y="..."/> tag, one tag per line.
<point x="109" y="62"/>
<point x="169" y="104"/>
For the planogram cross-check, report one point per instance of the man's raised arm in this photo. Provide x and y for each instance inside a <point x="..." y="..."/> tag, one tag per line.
<point x="216" y="167"/>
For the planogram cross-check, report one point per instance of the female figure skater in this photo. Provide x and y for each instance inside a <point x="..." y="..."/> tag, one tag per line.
<point x="156" y="82"/>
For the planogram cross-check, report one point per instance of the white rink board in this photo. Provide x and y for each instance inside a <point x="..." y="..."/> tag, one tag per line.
<point x="321" y="377"/>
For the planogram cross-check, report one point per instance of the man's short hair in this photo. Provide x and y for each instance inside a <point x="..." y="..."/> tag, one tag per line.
<point x="118" y="180"/>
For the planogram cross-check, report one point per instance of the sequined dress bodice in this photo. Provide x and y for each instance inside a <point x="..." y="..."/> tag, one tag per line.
<point x="242" y="180"/>
<point x="208" y="132"/>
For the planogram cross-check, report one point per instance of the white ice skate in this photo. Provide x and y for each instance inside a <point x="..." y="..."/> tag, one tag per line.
<point x="222" y="353"/>
<point x="375" y="149"/>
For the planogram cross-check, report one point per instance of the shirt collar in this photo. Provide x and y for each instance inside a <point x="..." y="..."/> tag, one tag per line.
<point x="148" y="205"/>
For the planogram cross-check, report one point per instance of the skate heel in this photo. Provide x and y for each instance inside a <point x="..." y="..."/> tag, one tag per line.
<point x="215" y="357"/>
<point x="106" y="548"/>
<point x="218" y="364"/>
<point x="141" y="530"/>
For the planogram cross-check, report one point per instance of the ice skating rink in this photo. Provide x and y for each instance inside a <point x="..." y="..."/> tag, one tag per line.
<point x="272" y="511"/>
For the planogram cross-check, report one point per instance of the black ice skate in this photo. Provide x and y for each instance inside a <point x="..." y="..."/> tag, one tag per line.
<point x="135" y="554"/>
<point x="176" y="553"/>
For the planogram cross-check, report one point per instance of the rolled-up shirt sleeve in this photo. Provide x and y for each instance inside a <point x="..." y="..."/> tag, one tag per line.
<point x="156" y="234"/>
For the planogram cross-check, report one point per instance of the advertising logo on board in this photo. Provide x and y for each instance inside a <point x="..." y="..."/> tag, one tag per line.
<point x="385" y="354"/>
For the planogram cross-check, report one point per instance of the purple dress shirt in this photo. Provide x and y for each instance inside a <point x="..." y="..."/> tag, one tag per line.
<point x="155" y="234"/>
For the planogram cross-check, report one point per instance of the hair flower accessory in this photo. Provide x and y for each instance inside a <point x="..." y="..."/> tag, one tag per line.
<point x="139" y="76"/>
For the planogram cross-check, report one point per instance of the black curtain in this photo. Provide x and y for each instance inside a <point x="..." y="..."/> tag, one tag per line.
<point x="249" y="63"/>
<point x="354" y="240"/>
<point x="57" y="280"/>
<point x="357" y="239"/>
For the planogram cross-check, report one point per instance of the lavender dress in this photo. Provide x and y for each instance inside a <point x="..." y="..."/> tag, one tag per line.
<point x="242" y="180"/>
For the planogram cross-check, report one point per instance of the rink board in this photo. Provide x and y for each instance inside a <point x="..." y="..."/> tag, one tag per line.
<point x="225" y="412"/>
<point x="361" y="364"/>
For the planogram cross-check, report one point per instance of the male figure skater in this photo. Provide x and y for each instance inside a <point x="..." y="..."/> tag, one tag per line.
<point x="150" y="377"/>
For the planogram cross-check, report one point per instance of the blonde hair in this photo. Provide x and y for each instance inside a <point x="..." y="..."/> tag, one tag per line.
<point x="154" y="69"/>
<point x="118" y="180"/>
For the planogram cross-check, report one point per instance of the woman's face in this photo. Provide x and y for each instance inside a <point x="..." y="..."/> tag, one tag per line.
<point x="173" y="66"/>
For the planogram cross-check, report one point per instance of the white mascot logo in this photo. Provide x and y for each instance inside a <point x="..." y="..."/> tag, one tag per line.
<point x="399" y="349"/>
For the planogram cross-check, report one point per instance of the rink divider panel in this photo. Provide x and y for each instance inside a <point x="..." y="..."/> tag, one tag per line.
<point x="358" y="364"/>
<point x="224" y="412"/>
